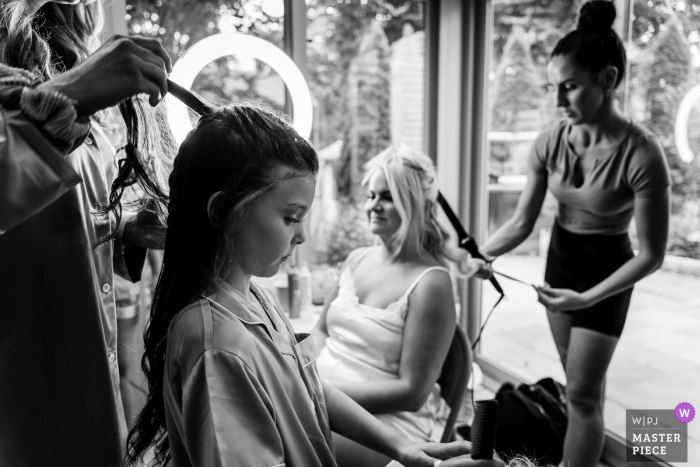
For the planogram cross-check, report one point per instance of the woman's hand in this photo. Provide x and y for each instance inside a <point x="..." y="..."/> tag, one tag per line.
<point x="430" y="454"/>
<point x="557" y="300"/>
<point x="123" y="67"/>
<point x="484" y="268"/>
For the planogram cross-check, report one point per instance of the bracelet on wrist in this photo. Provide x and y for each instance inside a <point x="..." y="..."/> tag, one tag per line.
<point x="55" y="114"/>
<point x="52" y="113"/>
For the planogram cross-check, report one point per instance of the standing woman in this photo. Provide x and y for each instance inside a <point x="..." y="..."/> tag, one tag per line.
<point x="603" y="169"/>
<point x="59" y="381"/>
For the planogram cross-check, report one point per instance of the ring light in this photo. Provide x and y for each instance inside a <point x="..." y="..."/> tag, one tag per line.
<point x="682" y="118"/>
<point x="217" y="46"/>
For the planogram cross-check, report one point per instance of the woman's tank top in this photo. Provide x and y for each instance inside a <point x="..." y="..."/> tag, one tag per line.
<point x="364" y="343"/>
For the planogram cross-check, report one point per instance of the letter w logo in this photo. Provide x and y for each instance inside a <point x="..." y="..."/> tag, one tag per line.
<point x="685" y="413"/>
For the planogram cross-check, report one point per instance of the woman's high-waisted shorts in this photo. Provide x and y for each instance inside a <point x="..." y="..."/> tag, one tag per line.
<point x="580" y="262"/>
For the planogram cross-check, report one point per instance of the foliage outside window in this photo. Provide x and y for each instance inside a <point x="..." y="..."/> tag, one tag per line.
<point x="353" y="55"/>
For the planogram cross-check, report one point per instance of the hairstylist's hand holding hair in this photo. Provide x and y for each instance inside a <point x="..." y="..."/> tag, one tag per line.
<point x="123" y="67"/>
<point x="484" y="267"/>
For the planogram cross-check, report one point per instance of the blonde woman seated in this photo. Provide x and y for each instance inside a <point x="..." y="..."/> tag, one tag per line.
<point x="387" y="327"/>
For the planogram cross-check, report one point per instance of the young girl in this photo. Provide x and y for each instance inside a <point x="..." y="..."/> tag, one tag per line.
<point x="230" y="383"/>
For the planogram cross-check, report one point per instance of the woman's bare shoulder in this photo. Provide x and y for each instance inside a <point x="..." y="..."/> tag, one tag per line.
<point x="426" y="260"/>
<point x="434" y="274"/>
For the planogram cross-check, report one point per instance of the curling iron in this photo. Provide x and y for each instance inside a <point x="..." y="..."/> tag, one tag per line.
<point x="466" y="241"/>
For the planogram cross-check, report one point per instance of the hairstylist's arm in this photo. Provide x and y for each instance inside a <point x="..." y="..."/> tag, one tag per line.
<point x="320" y="332"/>
<point x="350" y="420"/>
<point x="120" y="69"/>
<point x="651" y="215"/>
<point x="123" y="67"/>
<point x="428" y="333"/>
<point x="516" y="230"/>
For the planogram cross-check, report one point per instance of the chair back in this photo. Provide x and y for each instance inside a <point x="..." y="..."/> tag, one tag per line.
<point x="453" y="379"/>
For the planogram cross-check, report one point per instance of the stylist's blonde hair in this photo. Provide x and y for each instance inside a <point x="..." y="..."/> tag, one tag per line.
<point x="50" y="40"/>
<point x="413" y="185"/>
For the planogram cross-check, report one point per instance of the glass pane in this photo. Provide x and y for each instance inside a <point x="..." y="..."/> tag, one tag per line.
<point x="366" y="67"/>
<point x="524" y="33"/>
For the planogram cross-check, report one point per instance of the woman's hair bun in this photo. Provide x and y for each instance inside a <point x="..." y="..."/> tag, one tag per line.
<point x="597" y="15"/>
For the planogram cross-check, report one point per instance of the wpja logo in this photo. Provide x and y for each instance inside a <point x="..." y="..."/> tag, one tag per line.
<point x="659" y="435"/>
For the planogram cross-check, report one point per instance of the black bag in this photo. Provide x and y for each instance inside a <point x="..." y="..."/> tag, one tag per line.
<point x="532" y="421"/>
<point x="556" y="389"/>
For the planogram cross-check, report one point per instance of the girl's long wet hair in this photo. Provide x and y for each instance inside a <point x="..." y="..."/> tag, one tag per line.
<point x="240" y="151"/>
<point x="594" y="43"/>
<point x="413" y="184"/>
<point x="57" y="37"/>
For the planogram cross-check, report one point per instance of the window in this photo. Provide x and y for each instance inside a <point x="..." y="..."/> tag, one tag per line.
<point x="517" y="336"/>
<point x="366" y="69"/>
